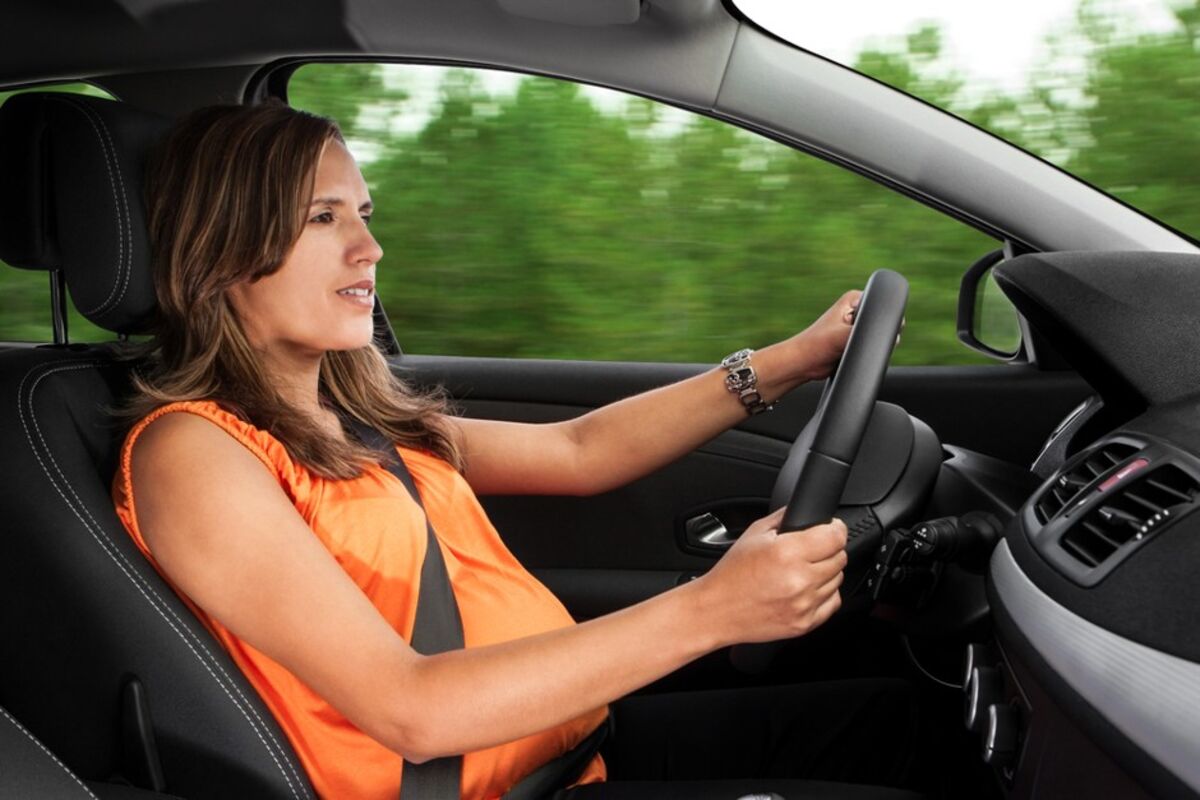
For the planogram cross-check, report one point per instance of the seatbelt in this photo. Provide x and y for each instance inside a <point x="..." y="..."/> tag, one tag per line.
<point x="437" y="629"/>
<point x="558" y="773"/>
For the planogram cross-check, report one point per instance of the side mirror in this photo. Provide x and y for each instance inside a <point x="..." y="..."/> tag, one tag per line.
<point x="987" y="321"/>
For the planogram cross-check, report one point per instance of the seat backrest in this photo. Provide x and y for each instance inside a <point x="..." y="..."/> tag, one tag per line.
<point x="32" y="771"/>
<point x="29" y="771"/>
<point x="88" y="626"/>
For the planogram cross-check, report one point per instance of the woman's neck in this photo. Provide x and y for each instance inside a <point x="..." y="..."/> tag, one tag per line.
<point x="298" y="382"/>
<point x="297" y="378"/>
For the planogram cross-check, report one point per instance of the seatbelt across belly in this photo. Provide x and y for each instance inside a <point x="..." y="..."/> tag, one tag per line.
<point x="437" y="629"/>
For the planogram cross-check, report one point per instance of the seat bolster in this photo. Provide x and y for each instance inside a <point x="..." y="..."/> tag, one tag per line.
<point x="88" y="611"/>
<point x="29" y="770"/>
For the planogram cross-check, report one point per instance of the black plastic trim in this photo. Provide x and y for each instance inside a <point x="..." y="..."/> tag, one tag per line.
<point x="1047" y="538"/>
<point x="968" y="299"/>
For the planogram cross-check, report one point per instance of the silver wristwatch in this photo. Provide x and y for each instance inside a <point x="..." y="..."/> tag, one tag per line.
<point x="742" y="380"/>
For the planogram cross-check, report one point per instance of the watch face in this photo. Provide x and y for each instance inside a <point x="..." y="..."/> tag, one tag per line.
<point x="733" y="358"/>
<point x="739" y="379"/>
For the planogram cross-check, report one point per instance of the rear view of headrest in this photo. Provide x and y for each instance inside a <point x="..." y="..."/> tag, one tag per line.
<point x="71" y="171"/>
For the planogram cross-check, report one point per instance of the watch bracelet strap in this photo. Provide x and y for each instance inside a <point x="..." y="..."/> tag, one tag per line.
<point x="747" y="392"/>
<point x="752" y="401"/>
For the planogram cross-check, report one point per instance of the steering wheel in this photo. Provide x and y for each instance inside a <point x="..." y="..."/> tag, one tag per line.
<point x="814" y="476"/>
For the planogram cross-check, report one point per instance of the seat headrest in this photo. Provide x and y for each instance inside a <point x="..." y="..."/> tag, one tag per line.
<point x="71" y="172"/>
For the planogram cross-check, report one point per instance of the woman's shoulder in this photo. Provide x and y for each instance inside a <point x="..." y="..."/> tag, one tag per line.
<point x="200" y="424"/>
<point x="178" y="441"/>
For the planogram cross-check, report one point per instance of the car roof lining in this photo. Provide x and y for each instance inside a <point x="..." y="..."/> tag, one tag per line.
<point x="672" y="40"/>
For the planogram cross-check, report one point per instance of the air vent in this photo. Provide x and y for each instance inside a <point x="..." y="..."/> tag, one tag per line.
<point x="1071" y="482"/>
<point x="1146" y="505"/>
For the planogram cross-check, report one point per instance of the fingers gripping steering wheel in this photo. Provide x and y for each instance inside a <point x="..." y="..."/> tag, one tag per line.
<point x="814" y="476"/>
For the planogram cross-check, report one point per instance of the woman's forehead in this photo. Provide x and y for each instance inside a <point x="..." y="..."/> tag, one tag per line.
<point x="338" y="175"/>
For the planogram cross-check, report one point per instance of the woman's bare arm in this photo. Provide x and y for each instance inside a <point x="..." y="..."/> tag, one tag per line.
<point x="225" y="533"/>
<point x="623" y="441"/>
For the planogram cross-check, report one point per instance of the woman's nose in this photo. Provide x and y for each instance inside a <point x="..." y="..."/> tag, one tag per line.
<point x="366" y="249"/>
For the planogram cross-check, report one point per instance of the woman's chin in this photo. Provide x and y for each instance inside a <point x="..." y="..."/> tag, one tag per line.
<point x="351" y="340"/>
<point x="347" y="347"/>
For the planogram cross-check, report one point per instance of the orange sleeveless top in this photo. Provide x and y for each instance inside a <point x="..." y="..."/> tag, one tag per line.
<point x="376" y="532"/>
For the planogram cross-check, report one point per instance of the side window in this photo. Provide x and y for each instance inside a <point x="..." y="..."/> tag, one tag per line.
<point x="531" y="217"/>
<point x="25" y="294"/>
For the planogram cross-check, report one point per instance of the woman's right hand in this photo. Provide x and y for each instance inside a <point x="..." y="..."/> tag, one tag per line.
<point x="770" y="586"/>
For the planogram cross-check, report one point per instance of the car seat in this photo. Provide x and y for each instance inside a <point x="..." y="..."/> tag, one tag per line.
<point x="104" y="663"/>
<point x="32" y="772"/>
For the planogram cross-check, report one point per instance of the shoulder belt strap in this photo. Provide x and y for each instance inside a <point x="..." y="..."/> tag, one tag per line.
<point x="437" y="628"/>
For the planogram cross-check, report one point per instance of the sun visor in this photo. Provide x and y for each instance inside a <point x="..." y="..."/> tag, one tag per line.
<point x="593" y="12"/>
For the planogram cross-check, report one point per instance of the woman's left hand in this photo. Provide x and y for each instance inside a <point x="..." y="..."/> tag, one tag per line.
<point x="821" y="344"/>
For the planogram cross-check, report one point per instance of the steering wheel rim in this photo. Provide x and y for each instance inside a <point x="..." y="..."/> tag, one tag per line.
<point x="818" y="465"/>
<point x="814" y="476"/>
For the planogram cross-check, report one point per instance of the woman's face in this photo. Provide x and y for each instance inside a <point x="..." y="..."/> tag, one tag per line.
<point x="322" y="297"/>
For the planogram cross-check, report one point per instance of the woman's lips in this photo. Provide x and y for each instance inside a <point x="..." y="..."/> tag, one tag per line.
<point x="361" y="293"/>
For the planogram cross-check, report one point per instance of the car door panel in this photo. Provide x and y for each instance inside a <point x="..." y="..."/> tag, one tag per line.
<point x="1004" y="411"/>
<point x="603" y="552"/>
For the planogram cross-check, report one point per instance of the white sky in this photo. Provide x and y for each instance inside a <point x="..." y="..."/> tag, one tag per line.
<point x="991" y="42"/>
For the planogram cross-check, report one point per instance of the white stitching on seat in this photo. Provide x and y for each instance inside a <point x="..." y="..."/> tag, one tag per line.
<point x="139" y="582"/>
<point x="53" y="757"/>
<point x="110" y="160"/>
<point x="118" y="202"/>
<point x="128" y="251"/>
<point x="185" y="630"/>
<point x="127" y="568"/>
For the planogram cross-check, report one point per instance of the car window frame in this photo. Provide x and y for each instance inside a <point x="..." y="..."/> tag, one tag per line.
<point x="270" y="82"/>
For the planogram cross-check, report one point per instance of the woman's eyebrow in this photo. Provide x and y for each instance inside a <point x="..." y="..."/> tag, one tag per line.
<point x="337" y="201"/>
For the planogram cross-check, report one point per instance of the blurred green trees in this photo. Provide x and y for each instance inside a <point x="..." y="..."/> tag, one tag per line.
<point x="539" y="222"/>
<point x="533" y="222"/>
<point x="534" y="217"/>
<point x="1141" y="128"/>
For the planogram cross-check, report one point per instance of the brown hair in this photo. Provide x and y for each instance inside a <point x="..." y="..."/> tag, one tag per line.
<point x="226" y="195"/>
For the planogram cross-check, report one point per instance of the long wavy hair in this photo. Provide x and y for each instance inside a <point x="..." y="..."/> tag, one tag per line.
<point x="226" y="194"/>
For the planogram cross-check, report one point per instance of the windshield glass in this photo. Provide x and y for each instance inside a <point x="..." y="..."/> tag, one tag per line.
<point x="1107" y="89"/>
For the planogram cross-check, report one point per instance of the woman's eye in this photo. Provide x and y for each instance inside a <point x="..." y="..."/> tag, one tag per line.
<point x="366" y="218"/>
<point x="323" y="217"/>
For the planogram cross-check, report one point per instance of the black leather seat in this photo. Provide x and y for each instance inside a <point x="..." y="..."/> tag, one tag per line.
<point x="31" y="772"/>
<point x="103" y="662"/>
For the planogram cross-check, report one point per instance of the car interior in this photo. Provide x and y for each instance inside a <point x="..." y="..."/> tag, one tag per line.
<point x="1021" y="543"/>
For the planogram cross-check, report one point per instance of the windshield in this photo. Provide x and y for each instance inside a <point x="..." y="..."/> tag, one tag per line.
<point x="1107" y="89"/>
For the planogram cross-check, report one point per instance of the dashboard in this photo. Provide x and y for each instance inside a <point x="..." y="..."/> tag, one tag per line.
<point x="1092" y="682"/>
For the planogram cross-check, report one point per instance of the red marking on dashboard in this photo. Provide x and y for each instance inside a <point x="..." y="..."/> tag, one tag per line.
<point x="1128" y="469"/>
